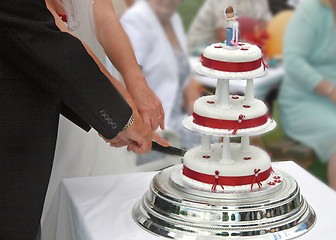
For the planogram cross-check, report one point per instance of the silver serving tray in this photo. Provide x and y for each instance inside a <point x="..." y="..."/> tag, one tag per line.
<point x="174" y="210"/>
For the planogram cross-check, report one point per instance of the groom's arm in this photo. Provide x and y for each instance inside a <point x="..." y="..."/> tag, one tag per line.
<point x="30" y="40"/>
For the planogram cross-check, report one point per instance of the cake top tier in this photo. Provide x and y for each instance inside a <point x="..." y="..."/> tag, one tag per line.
<point x="242" y="53"/>
<point x="232" y="62"/>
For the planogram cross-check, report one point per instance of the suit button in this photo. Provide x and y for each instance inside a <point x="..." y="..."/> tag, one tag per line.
<point x="106" y="117"/>
<point x="102" y="112"/>
<point x="109" y="121"/>
<point x="114" y="125"/>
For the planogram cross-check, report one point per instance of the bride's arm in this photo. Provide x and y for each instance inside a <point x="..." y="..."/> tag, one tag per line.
<point x="135" y="138"/>
<point x="118" y="48"/>
<point x="60" y="24"/>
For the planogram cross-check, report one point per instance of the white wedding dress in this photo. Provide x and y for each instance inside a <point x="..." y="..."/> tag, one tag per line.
<point x="78" y="153"/>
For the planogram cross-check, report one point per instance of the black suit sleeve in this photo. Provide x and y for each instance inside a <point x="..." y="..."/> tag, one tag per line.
<point x="73" y="117"/>
<point x="30" y="40"/>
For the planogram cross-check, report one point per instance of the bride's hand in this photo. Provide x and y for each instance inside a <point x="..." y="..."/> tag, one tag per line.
<point x="147" y="103"/>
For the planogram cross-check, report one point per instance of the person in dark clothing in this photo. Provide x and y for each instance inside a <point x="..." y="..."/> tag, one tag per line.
<point x="43" y="73"/>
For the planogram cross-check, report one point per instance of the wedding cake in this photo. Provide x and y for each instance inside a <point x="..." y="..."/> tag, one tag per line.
<point x="226" y="189"/>
<point x="232" y="166"/>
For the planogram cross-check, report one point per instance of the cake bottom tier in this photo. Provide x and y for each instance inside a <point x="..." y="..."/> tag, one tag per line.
<point x="241" y="169"/>
<point x="173" y="210"/>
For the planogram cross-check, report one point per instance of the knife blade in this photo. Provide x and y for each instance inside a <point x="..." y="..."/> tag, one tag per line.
<point x="174" y="151"/>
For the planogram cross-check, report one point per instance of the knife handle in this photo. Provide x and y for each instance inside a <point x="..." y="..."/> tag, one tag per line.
<point x="168" y="150"/>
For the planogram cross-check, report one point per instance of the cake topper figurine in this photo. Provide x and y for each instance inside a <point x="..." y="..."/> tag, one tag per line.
<point x="231" y="27"/>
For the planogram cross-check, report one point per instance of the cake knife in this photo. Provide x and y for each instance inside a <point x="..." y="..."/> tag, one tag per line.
<point x="178" y="152"/>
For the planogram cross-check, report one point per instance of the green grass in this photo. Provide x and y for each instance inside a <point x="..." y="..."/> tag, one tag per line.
<point x="319" y="170"/>
<point x="188" y="9"/>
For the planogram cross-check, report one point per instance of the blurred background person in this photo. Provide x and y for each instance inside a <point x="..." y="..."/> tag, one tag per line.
<point x="307" y="95"/>
<point x="120" y="6"/>
<point x="209" y="24"/>
<point x="157" y="35"/>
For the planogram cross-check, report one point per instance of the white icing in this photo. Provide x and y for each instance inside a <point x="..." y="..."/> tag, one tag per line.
<point x="229" y="75"/>
<point x="215" y="51"/>
<point x="194" y="160"/>
<point x="236" y="107"/>
<point x="268" y="126"/>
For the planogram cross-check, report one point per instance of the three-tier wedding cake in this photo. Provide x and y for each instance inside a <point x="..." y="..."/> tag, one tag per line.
<point x="232" y="166"/>
<point x="226" y="189"/>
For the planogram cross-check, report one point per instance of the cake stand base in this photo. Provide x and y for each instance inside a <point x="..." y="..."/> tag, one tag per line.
<point x="175" y="211"/>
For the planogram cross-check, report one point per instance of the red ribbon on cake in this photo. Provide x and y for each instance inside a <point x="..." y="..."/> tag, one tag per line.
<point x="232" y="66"/>
<point x="256" y="178"/>
<point x="235" y="125"/>
<point x="215" y="183"/>
<point x="215" y="180"/>
<point x="263" y="62"/>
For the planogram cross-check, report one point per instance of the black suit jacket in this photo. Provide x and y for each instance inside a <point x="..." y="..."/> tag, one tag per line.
<point x="43" y="72"/>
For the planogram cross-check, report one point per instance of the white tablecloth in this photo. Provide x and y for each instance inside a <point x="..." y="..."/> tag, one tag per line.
<point x="262" y="85"/>
<point x="99" y="208"/>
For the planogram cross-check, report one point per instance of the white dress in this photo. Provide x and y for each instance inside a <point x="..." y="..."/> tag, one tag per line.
<point x="78" y="152"/>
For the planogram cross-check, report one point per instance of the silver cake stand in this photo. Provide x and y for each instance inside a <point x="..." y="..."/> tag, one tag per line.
<point x="173" y="209"/>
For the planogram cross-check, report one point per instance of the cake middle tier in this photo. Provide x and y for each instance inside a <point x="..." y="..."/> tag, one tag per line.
<point x="237" y="116"/>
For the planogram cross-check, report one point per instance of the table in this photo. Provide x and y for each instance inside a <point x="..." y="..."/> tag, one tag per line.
<point x="99" y="208"/>
<point x="262" y="85"/>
